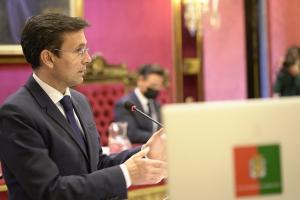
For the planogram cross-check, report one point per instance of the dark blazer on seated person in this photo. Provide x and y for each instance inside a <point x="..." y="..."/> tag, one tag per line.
<point x="51" y="163"/>
<point x="140" y="128"/>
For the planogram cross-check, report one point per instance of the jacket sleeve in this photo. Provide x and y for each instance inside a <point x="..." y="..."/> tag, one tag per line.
<point x="26" y="155"/>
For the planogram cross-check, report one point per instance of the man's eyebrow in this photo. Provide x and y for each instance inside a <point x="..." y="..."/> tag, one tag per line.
<point x="81" y="45"/>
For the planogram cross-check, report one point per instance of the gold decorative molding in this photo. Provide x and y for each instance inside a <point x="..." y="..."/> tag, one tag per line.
<point x="191" y="66"/>
<point x="3" y="188"/>
<point x="177" y="49"/>
<point x="155" y="192"/>
<point x="186" y="66"/>
<point x="79" y="9"/>
<point x="99" y="70"/>
<point x="12" y="59"/>
<point x="200" y="75"/>
<point x="151" y="193"/>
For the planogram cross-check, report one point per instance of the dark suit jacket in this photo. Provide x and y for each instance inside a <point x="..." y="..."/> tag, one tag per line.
<point x="43" y="160"/>
<point x="139" y="128"/>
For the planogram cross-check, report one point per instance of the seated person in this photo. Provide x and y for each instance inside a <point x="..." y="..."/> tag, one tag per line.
<point x="288" y="79"/>
<point x="149" y="83"/>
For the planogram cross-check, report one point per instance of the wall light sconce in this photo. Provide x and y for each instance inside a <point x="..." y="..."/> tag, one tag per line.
<point x="196" y="10"/>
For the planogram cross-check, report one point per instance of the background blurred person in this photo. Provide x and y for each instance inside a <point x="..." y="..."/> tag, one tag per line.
<point x="288" y="79"/>
<point x="149" y="83"/>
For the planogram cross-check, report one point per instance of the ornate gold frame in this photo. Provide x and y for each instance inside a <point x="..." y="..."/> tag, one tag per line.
<point x="186" y="66"/>
<point x="154" y="192"/>
<point x="13" y="53"/>
<point x="99" y="70"/>
<point x="177" y="49"/>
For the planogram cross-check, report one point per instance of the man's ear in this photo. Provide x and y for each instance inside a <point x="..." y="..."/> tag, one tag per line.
<point x="139" y="81"/>
<point x="47" y="58"/>
<point x="141" y="78"/>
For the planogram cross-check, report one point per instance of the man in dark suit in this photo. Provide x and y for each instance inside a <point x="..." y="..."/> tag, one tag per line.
<point x="49" y="146"/>
<point x="149" y="83"/>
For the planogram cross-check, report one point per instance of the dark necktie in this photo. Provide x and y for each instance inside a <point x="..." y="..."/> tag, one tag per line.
<point x="149" y="109"/>
<point x="68" y="107"/>
<point x="152" y="113"/>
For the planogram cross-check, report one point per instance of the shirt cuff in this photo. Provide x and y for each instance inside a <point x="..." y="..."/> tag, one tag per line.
<point x="126" y="175"/>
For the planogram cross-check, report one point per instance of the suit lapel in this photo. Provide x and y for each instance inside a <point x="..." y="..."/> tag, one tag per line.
<point x="141" y="119"/>
<point x="56" y="115"/>
<point x="157" y="109"/>
<point x="137" y="102"/>
<point x="51" y="109"/>
<point x="92" y="156"/>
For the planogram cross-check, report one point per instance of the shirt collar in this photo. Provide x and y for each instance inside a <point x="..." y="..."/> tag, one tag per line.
<point x="53" y="93"/>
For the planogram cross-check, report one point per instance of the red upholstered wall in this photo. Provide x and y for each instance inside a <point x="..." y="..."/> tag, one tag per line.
<point x="140" y="31"/>
<point x="11" y="78"/>
<point x="284" y="29"/>
<point x="224" y="54"/>
<point x="135" y="31"/>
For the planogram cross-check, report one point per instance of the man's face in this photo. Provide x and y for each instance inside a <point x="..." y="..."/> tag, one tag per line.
<point x="152" y="81"/>
<point x="294" y="70"/>
<point x="70" y="67"/>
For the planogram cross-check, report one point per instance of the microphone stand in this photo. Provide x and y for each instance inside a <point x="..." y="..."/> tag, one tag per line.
<point x="139" y="111"/>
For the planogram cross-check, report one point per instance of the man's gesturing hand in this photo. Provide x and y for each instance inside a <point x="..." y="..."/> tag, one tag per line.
<point x="145" y="171"/>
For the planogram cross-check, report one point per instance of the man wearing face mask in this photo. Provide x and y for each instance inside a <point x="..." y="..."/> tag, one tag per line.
<point x="149" y="83"/>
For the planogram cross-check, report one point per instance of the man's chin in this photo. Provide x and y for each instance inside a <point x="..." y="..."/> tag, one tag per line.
<point x="78" y="82"/>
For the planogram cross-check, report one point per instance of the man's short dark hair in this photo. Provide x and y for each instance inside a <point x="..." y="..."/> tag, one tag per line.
<point x="291" y="58"/>
<point x="45" y="31"/>
<point x="147" y="69"/>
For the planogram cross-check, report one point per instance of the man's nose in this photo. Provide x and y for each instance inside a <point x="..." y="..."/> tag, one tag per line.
<point x="87" y="58"/>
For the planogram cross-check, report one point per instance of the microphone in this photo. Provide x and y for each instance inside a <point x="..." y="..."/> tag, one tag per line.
<point x="131" y="107"/>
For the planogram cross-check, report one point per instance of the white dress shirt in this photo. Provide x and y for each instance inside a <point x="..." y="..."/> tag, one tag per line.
<point x="145" y="102"/>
